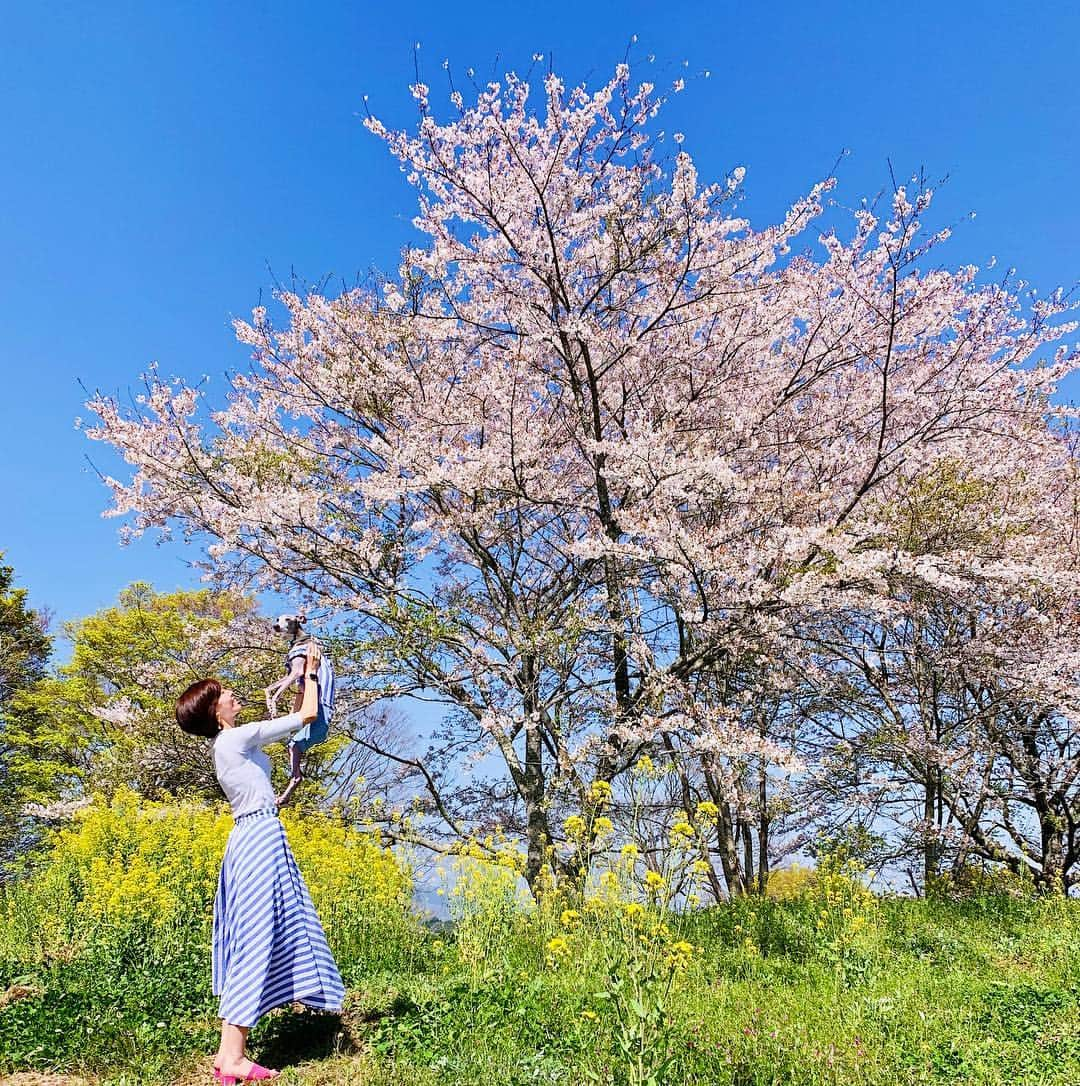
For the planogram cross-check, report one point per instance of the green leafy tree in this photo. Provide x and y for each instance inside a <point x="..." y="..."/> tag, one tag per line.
<point x="104" y="719"/>
<point x="25" y="646"/>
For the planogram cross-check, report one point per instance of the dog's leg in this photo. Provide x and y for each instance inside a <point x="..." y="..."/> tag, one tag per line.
<point x="275" y="690"/>
<point x="296" y="774"/>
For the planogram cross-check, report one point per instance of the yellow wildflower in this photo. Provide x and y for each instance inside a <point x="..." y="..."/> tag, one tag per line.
<point x="569" y="917"/>
<point x="681" y="955"/>
<point x="574" y="826"/>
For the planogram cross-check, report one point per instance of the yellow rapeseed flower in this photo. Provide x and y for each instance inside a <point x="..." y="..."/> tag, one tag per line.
<point x="653" y="880"/>
<point x="557" y="948"/>
<point x="574" y="826"/>
<point x="569" y="918"/>
<point x="681" y="955"/>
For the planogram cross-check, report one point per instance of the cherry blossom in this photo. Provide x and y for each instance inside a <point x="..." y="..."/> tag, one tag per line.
<point x="601" y="444"/>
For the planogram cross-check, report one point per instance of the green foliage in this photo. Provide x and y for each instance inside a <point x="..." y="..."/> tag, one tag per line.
<point x="102" y="720"/>
<point x="979" y="880"/>
<point x="949" y="505"/>
<point x="24" y="642"/>
<point x="853" y="842"/>
<point x="24" y="651"/>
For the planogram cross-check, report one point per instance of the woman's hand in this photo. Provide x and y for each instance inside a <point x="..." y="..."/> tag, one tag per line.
<point x="309" y="707"/>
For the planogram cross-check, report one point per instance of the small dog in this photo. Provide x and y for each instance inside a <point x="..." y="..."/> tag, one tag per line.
<point x="292" y="626"/>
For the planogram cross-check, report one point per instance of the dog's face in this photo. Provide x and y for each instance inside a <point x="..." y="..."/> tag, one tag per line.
<point x="289" y="625"/>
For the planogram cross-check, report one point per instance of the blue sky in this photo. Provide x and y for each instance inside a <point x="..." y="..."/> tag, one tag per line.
<point x="163" y="163"/>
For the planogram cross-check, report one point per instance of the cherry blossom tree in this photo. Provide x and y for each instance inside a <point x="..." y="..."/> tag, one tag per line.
<point x="600" y="440"/>
<point x="953" y="721"/>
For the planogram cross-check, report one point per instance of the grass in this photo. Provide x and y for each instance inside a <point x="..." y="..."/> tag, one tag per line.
<point x="829" y="987"/>
<point x="983" y="991"/>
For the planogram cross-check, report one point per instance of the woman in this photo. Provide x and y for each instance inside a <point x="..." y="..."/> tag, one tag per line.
<point x="268" y="947"/>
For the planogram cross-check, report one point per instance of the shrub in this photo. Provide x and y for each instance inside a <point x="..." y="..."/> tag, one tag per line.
<point x="789" y="882"/>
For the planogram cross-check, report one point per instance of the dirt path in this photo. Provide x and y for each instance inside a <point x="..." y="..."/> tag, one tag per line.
<point x="33" y="1078"/>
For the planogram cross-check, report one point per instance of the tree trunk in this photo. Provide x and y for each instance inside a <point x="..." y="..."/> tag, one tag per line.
<point x="748" y="853"/>
<point x="763" y="830"/>
<point x="729" y="856"/>
<point x="532" y="778"/>
<point x="931" y="847"/>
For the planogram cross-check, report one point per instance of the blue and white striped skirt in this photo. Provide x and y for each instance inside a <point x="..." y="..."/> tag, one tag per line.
<point x="269" y="947"/>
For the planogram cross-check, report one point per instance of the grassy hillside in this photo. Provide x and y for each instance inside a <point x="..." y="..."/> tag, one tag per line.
<point x="104" y="970"/>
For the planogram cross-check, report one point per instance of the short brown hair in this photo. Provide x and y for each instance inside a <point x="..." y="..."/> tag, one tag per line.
<point x="196" y="708"/>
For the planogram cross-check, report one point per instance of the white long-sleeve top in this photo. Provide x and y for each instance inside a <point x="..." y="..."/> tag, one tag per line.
<point x="243" y="770"/>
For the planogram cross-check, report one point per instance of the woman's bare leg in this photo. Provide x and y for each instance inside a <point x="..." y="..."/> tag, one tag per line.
<point x="230" y="1059"/>
<point x="231" y="1049"/>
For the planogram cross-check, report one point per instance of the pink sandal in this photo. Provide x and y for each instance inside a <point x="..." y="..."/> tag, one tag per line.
<point x="256" y="1072"/>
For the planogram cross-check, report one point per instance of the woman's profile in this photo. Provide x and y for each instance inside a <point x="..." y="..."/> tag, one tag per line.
<point x="269" y="947"/>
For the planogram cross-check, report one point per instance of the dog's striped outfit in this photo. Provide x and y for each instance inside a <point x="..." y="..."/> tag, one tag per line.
<point x="268" y="946"/>
<point x="317" y="730"/>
